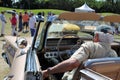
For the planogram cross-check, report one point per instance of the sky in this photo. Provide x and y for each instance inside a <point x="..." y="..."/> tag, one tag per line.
<point x="16" y="0"/>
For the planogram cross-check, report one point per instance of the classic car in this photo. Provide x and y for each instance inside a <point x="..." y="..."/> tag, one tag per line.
<point x="57" y="41"/>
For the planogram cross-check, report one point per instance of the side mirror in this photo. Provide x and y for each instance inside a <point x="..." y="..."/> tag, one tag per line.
<point x="21" y="43"/>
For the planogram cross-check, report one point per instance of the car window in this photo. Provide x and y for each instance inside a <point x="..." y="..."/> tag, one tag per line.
<point x="59" y="29"/>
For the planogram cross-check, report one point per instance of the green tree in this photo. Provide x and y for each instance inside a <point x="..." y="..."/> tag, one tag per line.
<point x="7" y="3"/>
<point x="101" y="6"/>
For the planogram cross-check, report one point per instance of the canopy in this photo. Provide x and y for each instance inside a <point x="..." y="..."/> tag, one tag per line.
<point x="84" y="8"/>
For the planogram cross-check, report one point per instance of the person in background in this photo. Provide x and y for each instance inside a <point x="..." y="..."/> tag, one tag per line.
<point x="13" y="21"/>
<point x="113" y="27"/>
<point x="43" y="13"/>
<point x="17" y="17"/>
<point x="48" y="16"/>
<point x="25" y="21"/>
<point x="29" y="13"/>
<point x="20" y="26"/>
<point x="119" y="29"/>
<point x="51" y="17"/>
<point x="32" y="24"/>
<point x="3" y="21"/>
<point x="99" y="48"/>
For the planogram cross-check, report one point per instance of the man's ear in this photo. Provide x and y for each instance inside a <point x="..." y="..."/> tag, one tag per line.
<point x="97" y="37"/>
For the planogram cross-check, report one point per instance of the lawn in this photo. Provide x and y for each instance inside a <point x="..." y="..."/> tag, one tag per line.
<point x="35" y="11"/>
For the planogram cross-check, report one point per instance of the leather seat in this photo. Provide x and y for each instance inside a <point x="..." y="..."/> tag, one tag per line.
<point x="109" y="67"/>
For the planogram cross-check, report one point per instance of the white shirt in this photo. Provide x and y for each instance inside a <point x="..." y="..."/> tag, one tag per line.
<point x="32" y="22"/>
<point x="94" y="50"/>
<point x="2" y="18"/>
<point x="90" y="50"/>
<point x="17" y="17"/>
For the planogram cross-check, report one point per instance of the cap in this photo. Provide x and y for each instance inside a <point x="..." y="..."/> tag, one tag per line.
<point x="105" y="29"/>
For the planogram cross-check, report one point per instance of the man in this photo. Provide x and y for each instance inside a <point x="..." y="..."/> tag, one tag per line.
<point x="13" y="21"/>
<point x="99" y="48"/>
<point x="25" y="18"/>
<point x="3" y="20"/>
<point x="32" y="24"/>
<point x="20" y="25"/>
<point x="119" y="29"/>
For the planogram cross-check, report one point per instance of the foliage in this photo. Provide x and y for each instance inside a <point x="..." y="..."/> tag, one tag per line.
<point x="56" y="11"/>
<point x="7" y="3"/>
<point x="69" y="5"/>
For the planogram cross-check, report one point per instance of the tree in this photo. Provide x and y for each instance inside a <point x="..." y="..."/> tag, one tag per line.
<point x="70" y="5"/>
<point x="7" y="3"/>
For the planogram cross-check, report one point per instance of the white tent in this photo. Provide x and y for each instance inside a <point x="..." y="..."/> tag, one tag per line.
<point x="84" y="8"/>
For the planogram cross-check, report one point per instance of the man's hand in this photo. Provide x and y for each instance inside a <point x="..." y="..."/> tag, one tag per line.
<point x="45" y="74"/>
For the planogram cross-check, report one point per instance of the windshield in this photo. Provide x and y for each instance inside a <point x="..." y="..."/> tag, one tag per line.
<point x="59" y="29"/>
<point x="75" y="28"/>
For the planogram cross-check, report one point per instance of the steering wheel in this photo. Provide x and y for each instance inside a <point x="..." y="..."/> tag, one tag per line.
<point x="77" y="45"/>
<point x="67" y="51"/>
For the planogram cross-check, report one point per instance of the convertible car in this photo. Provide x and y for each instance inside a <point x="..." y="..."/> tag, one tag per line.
<point x="55" y="42"/>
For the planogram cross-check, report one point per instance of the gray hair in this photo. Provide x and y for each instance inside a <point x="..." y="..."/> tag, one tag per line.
<point x="105" y="37"/>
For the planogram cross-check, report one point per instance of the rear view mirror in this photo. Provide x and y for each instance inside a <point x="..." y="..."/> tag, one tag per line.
<point x="21" y="43"/>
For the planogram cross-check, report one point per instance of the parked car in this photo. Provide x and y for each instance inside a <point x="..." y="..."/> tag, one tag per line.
<point x="56" y="42"/>
<point x="10" y="11"/>
<point x="39" y="18"/>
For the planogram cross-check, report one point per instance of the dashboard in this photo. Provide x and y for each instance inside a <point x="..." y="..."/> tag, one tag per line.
<point x="56" y="47"/>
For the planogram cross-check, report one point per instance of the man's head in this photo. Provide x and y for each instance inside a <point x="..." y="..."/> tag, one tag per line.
<point x="13" y="14"/>
<point x="2" y="12"/>
<point x="103" y="37"/>
<point x="104" y="34"/>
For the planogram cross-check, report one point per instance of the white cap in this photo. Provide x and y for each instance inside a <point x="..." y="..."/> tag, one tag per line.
<point x="105" y="29"/>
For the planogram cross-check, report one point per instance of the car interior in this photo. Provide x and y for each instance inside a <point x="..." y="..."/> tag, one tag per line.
<point x="58" y="49"/>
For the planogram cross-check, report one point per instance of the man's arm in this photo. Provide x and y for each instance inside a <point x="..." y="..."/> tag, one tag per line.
<point x="64" y="66"/>
<point x="3" y="19"/>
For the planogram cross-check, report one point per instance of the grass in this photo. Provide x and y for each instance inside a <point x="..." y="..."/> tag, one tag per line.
<point x="35" y="11"/>
<point x="105" y="14"/>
